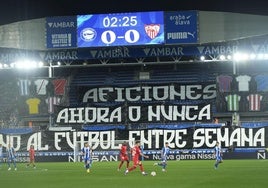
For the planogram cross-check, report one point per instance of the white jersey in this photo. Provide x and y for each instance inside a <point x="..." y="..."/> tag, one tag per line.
<point x="243" y="82"/>
<point x="41" y="85"/>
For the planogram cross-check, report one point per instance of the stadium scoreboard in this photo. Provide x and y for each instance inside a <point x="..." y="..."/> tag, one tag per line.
<point x="139" y="28"/>
<point x="121" y="29"/>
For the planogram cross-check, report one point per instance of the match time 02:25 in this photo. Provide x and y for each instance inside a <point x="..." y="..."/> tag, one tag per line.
<point x="116" y="21"/>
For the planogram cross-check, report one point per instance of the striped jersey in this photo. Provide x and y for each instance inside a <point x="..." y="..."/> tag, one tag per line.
<point x="232" y="102"/>
<point x="217" y="151"/>
<point x="11" y="153"/>
<point x="51" y="102"/>
<point x="164" y="153"/>
<point x="1" y="152"/>
<point x="59" y="86"/>
<point x="254" y="102"/>
<point x="86" y="153"/>
<point x="24" y="87"/>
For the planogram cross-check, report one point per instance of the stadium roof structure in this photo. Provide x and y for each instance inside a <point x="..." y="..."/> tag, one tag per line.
<point x="219" y="32"/>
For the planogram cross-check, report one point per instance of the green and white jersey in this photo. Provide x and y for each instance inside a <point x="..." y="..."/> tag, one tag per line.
<point x="232" y="102"/>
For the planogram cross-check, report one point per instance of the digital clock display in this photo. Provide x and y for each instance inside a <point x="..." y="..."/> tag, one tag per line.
<point x="119" y="29"/>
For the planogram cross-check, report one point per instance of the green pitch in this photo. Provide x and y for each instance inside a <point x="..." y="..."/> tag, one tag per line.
<point x="231" y="173"/>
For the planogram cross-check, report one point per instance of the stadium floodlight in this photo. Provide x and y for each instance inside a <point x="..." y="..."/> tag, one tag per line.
<point x="202" y="58"/>
<point x="40" y="64"/>
<point x="222" y="57"/>
<point x="252" y="56"/>
<point x="229" y="57"/>
<point x="12" y="65"/>
<point x="24" y="64"/>
<point x="260" y="56"/>
<point x="27" y="64"/>
<point x="245" y="56"/>
<point x="240" y="56"/>
<point x="236" y="56"/>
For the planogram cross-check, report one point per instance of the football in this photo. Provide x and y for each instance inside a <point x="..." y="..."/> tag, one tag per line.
<point x="153" y="173"/>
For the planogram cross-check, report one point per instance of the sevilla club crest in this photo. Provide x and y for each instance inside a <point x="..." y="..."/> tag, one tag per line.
<point x="152" y="30"/>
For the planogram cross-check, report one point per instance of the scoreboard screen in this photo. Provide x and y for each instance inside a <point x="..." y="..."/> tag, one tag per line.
<point x="120" y="29"/>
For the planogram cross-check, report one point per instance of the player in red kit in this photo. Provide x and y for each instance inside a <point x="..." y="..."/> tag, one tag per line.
<point x="31" y="156"/>
<point x="136" y="153"/>
<point x="123" y="155"/>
